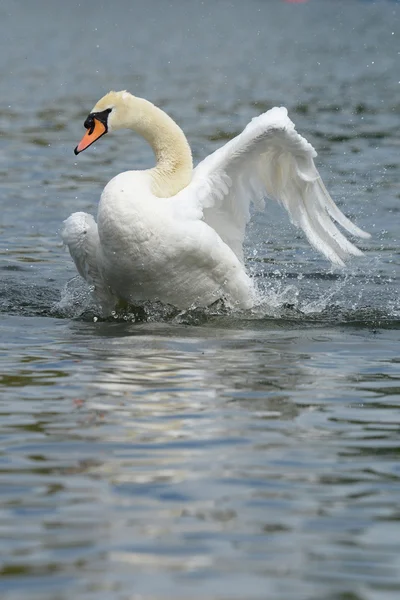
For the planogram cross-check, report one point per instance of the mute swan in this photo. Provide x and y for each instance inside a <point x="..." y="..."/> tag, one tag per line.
<point x="173" y="233"/>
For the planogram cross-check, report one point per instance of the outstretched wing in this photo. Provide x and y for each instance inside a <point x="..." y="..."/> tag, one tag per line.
<point x="270" y="159"/>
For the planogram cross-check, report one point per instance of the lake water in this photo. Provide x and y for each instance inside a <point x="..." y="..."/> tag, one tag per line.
<point x="200" y="455"/>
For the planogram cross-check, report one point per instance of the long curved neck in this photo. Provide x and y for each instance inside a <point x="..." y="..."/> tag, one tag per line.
<point x="174" y="167"/>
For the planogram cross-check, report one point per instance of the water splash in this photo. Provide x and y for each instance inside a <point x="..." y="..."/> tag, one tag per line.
<point x="326" y="298"/>
<point x="295" y="293"/>
<point x="76" y="300"/>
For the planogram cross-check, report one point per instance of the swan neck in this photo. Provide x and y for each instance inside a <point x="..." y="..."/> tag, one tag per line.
<point x="174" y="165"/>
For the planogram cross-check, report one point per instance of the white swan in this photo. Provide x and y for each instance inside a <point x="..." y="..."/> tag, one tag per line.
<point x="175" y="234"/>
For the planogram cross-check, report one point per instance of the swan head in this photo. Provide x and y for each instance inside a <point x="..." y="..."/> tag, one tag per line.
<point x="108" y="114"/>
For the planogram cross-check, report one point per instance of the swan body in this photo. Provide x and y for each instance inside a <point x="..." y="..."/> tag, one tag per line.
<point x="175" y="234"/>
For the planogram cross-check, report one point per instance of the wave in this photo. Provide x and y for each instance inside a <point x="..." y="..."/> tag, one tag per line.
<point x="290" y="299"/>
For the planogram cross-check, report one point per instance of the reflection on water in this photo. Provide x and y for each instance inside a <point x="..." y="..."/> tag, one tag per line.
<point x="200" y="455"/>
<point x="267" y="457"/>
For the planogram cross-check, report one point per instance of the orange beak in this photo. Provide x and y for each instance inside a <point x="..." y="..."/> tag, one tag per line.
<point x="93" y="133"/>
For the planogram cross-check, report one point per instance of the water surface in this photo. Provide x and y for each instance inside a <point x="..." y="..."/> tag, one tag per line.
<point x="201" y="454"/>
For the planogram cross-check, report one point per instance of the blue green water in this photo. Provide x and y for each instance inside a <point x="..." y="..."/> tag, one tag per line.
<point x="200" y="455"/>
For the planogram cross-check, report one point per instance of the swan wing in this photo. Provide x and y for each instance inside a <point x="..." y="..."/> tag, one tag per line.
<point x="81" y="236"/>
<point x="269" y="158"/>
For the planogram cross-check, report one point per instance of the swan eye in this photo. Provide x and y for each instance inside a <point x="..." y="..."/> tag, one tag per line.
<point x="89" y="123"/>
<point x="100" y="116"/>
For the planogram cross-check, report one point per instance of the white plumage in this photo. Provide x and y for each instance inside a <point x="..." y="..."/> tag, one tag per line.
<point x="176" y="235"/>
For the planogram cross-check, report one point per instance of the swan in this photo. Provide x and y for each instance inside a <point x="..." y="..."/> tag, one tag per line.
<point x="175" y="234"/>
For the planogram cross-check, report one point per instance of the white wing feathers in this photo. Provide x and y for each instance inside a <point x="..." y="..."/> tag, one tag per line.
<point x="270" y="159"/>
<point x="81" y="236"/>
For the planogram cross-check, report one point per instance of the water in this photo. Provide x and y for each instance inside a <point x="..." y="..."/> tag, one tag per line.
<point x="201" y="454"/>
